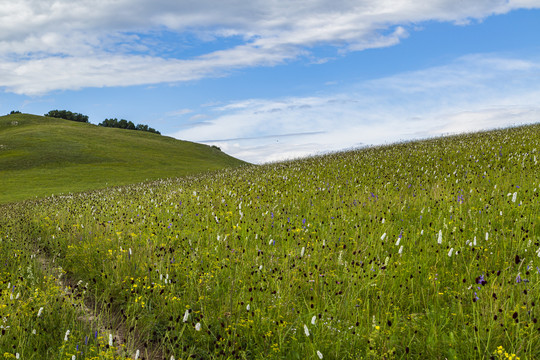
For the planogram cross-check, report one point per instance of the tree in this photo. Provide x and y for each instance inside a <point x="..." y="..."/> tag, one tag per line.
<point x="125" y="124"/>
<point x="67" y="115"/>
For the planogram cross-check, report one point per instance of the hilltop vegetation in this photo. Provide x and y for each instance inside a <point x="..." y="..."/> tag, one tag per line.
<point x="40" y="156"/>
<point x="422" y="250"/>
<point x="67" y="115"/>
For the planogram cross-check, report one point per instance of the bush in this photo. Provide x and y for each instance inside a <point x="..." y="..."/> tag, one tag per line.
<point x="124" y="124"/>
<point x="68" y="115"/>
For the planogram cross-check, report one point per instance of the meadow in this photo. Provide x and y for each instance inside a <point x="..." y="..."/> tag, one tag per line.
<point x="41" y="156"/>
<point x="417" y="250"/>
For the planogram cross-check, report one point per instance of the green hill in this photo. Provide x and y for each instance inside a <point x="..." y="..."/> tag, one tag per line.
<point x="40" y="156"/>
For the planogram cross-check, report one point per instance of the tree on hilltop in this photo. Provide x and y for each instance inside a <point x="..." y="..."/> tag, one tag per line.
<point x="67" y="115"/>
<point x="125" y="124"/>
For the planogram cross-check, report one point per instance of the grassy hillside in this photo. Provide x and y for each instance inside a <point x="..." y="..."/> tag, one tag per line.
<point x="40" y="156"/>
<point x="422" y="250"/>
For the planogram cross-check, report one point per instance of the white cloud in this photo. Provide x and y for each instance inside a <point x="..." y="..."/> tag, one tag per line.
<point x="47" y="45"/>
<point x="472" y="93"/>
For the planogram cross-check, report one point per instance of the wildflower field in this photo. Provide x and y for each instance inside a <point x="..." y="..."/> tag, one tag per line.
<point x="419" y="250"/>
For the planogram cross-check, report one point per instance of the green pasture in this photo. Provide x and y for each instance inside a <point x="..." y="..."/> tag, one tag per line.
<point x="419" y="250"/>
<point x="41" y="156"/>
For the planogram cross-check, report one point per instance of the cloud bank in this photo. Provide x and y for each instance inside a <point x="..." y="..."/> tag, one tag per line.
<point x="48" y="45"/>
<point x="475" y="92"/>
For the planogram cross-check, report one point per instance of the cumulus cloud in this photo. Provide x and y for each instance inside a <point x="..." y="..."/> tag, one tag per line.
<point x="475" y="92"/>
<point x="48" y="45"/>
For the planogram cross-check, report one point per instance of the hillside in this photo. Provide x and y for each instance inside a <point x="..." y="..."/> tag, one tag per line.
<point x="418" y="250"/>
<point x="40" y="156"/>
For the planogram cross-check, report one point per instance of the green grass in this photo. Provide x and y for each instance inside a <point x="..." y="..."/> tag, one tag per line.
<point x="40" y="156"/>
<point x="420" y="250"/>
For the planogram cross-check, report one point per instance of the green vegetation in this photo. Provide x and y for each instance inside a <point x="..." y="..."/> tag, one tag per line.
<point x="124" y="124"/>
<point x="421" y="250"/>
<point x="67" y="115"/>
<point x="40" y="156"/>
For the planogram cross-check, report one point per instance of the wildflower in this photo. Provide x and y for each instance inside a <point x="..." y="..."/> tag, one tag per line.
<point x="518" y="278"/>
<point x="439" y="240"/>
<point x="248" y="307"/>
<point x="306" y="330"/>
<point x="400" y="250"/>
<point x="73" y="357"/>
<point x="40" y="311"/>
<point x="198" y="326"/>
<point x="487" y="236"/>
<point x="172" y="357"/>
<point x="67" y="335"/>
<point x="17" y="356"/>
<point x="302" y="251"/>
<point x="313" y="319"/>
<point x="110" y="340"/>
<point x="450" y="252"/>
<point x="186" y="316"/>
<point x="319" y="354"/>
<point x="398" y="241"/>
<point x="383" y="236"/>
<point x="514" y="197"/>
<point x="137" y="354"/>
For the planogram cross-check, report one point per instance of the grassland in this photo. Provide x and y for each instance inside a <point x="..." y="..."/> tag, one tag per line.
<point x="40" y="156"/>
<point x="421" y="250"/>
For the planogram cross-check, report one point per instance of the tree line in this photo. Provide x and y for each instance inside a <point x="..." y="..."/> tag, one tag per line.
<point x="68" y="115"/>
<point x="115" y="123"/>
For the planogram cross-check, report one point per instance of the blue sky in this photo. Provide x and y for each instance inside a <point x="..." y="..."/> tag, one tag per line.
<point x="268" y="81"/>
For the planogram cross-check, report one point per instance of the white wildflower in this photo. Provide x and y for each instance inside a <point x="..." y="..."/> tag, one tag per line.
<point x="186" y="315"/>
<point x="313" y="319"/>
<point x="306" y="330"/>
<point x="400" y="250"/>
<point x="40" y="311"/>
<point x="487" y="236"/>
<point x="67" y="335"/>
<point x="450" y="252"/>
<point x="137" y="353"/>
<point x="439" y="240"/>
<point x="514" y="197"/>
<point x="398" y="241"/>
<point x="319" y="354"/>
<point x="198" y="326"/>
<point x="110" y="340"/>
<point x="383" y="236"/>
<point x="302" y="251"/>
<point x="248" y="307"/>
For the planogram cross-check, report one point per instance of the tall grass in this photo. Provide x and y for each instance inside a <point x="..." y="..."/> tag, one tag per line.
<point x="421" y="250"/>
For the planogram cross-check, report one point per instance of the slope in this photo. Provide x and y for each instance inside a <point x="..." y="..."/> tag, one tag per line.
<point x="40" y="156"/>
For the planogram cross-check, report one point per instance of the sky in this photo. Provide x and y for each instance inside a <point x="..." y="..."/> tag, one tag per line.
<point x="275" y="80"/>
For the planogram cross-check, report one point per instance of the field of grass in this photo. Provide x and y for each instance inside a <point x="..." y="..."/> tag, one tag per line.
<point x="420" y="250"/>
<point x="40" y="156"/>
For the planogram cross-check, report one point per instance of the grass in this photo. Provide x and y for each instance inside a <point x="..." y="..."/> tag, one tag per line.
<point x="40" y="156"/>
<point x="420" y="250"/>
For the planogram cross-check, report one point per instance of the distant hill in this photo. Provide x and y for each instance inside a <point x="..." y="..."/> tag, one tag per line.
<point x="40" y="156"/>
